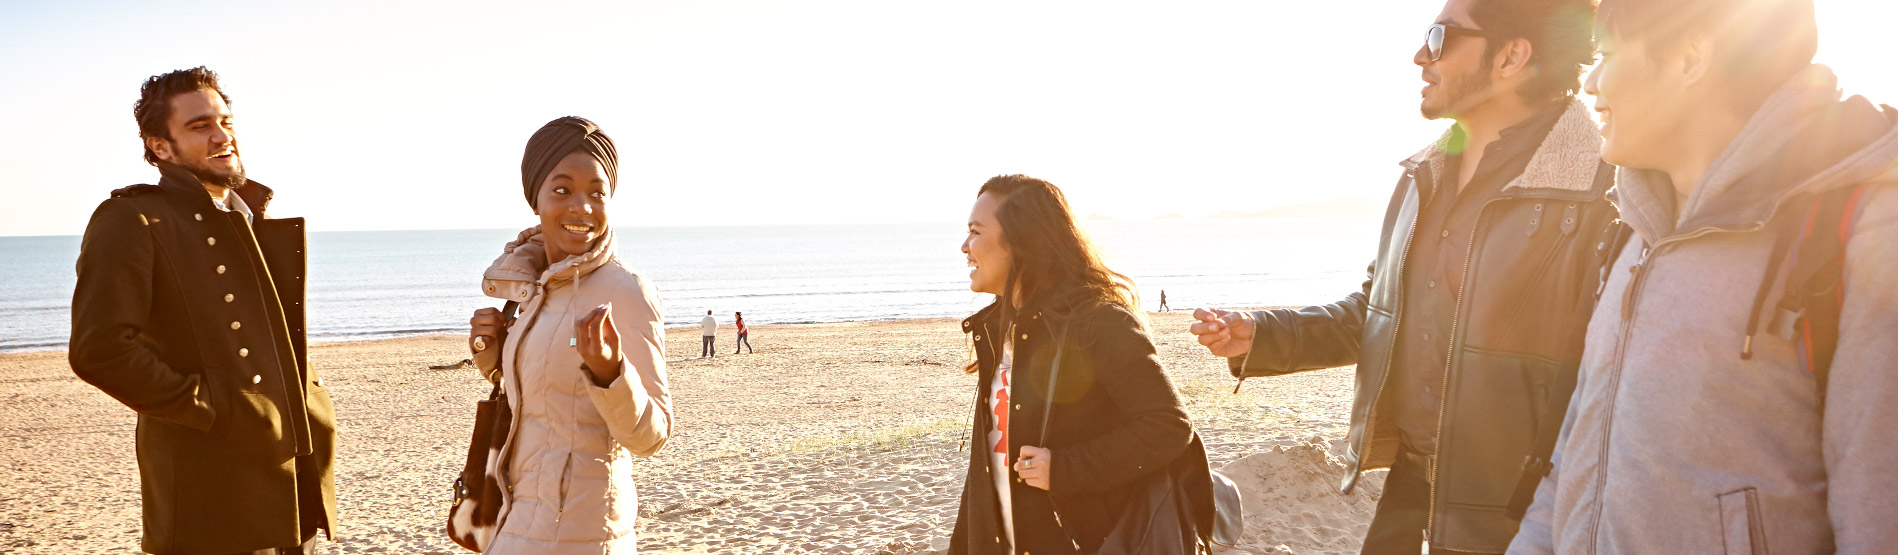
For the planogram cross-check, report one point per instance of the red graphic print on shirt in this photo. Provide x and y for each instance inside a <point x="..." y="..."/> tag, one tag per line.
<point x="1001" y="413"/>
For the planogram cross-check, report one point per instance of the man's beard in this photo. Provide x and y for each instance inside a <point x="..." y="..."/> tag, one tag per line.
<point x="1461" y="93"/>
<point x="233" y="180"/>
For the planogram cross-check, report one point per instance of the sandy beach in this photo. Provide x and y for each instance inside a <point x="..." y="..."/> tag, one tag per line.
<point x="831" y="438"/>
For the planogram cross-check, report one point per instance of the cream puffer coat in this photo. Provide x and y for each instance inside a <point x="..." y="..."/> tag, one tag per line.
<point x="568" y="457"/>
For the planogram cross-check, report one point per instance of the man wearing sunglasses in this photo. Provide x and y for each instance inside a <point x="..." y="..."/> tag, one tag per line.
<point x="1468" y="330"/>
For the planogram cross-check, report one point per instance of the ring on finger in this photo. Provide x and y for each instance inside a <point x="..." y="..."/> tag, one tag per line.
<point x="480" y="344"/>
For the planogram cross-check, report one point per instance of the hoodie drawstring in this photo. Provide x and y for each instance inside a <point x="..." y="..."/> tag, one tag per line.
<point x="1781" y="244"/>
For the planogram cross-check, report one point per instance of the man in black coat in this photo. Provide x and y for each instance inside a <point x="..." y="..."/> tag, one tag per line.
<point x="1468" y="331"/>
<point x="189" y="310"/>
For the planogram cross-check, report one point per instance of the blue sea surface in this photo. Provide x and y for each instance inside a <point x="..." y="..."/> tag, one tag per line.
<point x="371" y="284"/>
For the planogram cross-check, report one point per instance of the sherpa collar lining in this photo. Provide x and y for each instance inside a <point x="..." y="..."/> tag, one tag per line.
<point x="1566" y="161"/>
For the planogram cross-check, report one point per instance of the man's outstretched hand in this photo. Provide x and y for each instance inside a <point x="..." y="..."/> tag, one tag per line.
<point x="1225" y="333"/>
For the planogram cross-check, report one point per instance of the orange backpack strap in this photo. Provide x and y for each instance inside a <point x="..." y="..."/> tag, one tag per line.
<point x="1814" y="289"/>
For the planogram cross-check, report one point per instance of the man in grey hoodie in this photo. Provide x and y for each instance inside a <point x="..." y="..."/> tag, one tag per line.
<point x="1688" y="431"/>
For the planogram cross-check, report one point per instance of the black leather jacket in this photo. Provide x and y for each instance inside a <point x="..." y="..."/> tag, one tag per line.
<point x="1117" y="418"/>
<point x="1529" y="286"/>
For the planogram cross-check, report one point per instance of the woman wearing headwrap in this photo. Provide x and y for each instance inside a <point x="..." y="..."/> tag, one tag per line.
<point x="583" y="363"/>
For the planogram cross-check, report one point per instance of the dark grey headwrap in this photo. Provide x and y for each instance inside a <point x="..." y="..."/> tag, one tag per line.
<point x="555" y="141"/>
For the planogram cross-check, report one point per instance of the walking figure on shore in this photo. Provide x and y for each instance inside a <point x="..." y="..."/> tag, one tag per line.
<point x="709" y="347"/>
<point x="1163" y="307"/>
<point x="744" y="333"/>
<point x="189" y="310"/>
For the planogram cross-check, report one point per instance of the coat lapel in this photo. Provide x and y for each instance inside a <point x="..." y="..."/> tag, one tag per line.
<point x="1565" y="162"/>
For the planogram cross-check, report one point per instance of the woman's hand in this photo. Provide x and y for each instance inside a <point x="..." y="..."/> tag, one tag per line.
<point x="483" y="328"/>
<point x="1034" y="466"/>
<point x="599" y="344"/>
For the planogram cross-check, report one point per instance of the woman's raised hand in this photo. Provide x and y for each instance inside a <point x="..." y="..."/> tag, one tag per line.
<point x="599" y="344"/>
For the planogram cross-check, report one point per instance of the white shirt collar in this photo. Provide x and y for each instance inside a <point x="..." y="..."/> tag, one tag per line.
<point x="236" y="205"/>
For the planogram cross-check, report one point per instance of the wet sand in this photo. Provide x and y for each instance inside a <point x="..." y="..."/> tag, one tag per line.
<point x="831" y="438"/>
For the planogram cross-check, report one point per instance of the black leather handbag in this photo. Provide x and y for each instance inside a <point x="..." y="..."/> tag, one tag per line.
<point x="477" y="505"/>
<point x="1159" y="518"/>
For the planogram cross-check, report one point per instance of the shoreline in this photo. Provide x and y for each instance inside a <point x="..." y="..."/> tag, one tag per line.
<point x="395" y="335"/>
<point x="723" y="324"/>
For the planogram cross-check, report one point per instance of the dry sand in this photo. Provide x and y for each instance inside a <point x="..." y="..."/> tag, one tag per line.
<point x="831" y="438"/>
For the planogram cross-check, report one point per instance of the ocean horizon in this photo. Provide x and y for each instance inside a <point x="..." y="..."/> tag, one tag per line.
<point x="381" y="284"/>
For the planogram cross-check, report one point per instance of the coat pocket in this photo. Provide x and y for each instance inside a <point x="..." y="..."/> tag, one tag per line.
<point x="1741" y="529"/>
<point x="566" y="480"/>
<point x="1492" y="413"/>
<point x="246" y="416"/>
<point x="257" y="422"/>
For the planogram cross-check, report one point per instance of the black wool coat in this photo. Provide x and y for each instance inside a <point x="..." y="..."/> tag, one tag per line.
<point x="194" y="318"/>
<point x="1116" y="419"/>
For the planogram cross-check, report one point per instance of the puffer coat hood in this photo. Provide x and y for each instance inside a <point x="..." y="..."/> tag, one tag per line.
<point x="567" y="461"/>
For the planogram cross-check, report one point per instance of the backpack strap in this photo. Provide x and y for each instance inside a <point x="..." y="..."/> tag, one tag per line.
<point x="1814" y="289"/>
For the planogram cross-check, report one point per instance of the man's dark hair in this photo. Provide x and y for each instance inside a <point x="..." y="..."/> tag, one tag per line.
<point x="1763" y="41"/>
<point x="153" y="109"/>
<point x="1561" y="35"/>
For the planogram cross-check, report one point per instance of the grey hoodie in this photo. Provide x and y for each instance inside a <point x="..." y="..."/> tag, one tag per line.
<point x="1673" y="443"/>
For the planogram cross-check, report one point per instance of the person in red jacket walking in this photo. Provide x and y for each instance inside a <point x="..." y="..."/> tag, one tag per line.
<point x="743" y="335"/>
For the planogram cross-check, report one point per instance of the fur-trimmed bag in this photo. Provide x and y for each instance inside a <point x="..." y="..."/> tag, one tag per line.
<point x="477" y="505"/>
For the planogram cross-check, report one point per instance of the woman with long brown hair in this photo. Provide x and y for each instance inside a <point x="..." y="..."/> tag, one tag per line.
<point x="1073" y="412"/>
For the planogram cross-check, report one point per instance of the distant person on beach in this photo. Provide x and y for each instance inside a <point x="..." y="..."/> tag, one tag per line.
<point x="584" y="362"/>
<point x="1468" y="328"/>
<point x="1163" y="307"/>
<point x="709" y="347"/>
<point x="189" y="310"/>
<point x="1113" y="426"/>
<point x="1739" y="388"/>
<point x="744" y="334"/>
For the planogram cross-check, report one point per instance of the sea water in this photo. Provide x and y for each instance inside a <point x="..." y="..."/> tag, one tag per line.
<point x="372" y="284"/>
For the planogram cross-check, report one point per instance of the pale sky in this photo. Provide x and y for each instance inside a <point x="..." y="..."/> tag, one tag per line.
<point x="413" y="115"/>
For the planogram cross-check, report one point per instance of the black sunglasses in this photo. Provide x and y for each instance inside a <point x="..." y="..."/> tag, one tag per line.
<point x="1438" y="32"/>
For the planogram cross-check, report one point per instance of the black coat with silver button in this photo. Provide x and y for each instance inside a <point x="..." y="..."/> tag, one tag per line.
<point x="194" y="318"/>
<point x="1116" y="419"/>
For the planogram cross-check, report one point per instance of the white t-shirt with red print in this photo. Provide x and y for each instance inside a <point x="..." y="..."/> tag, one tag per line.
<point x="999" y="391"/>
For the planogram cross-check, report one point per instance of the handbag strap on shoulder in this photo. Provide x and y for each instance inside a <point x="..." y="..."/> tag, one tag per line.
<point x="1054" y="374"/>
<point x="507" y="321"/>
